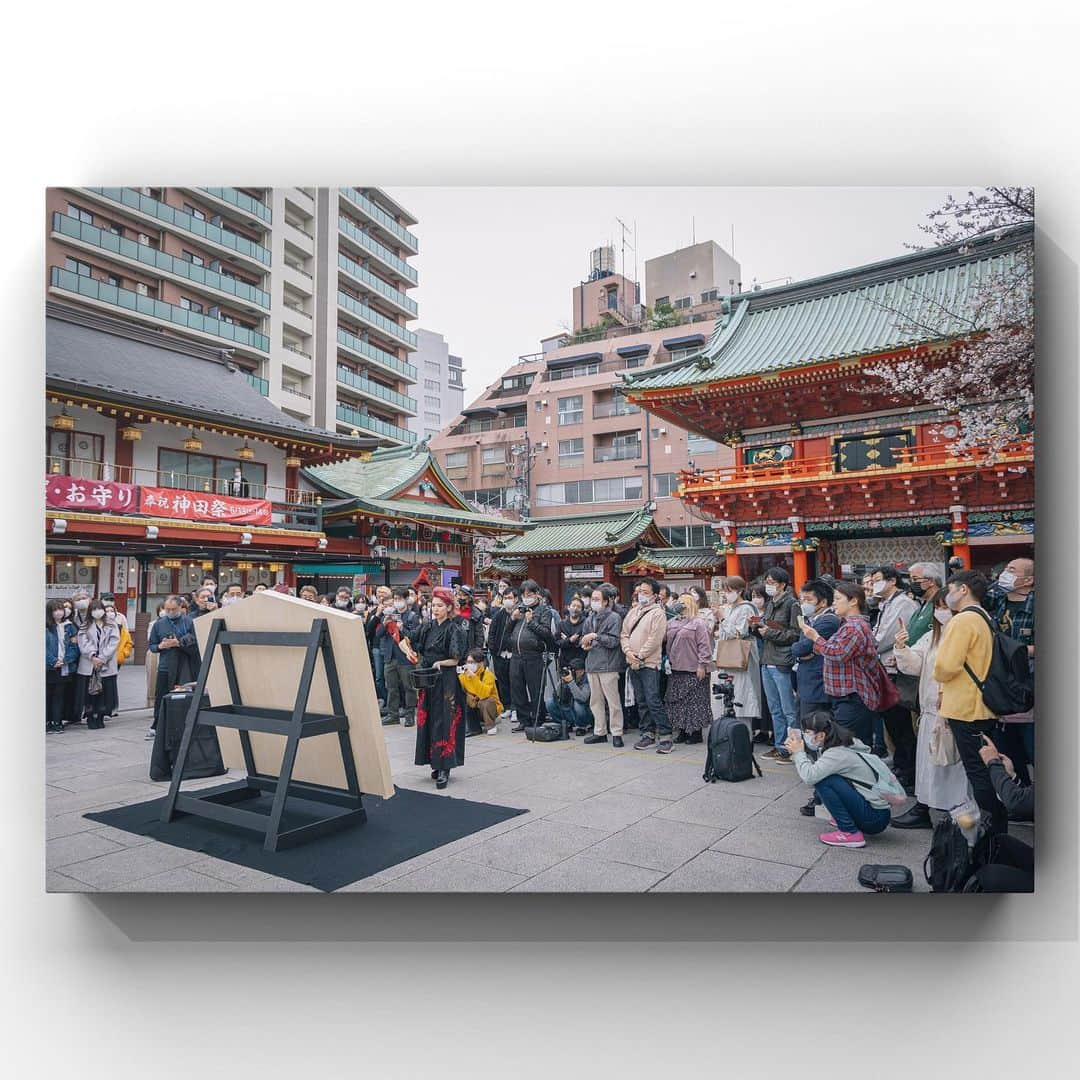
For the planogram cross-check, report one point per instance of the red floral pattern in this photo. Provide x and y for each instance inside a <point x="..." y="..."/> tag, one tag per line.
<point x="446" y="746"/>
<point x="421" y="708"/>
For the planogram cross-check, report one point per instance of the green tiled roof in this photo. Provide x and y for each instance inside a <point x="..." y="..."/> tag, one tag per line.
<point x="681" y="560"/>
<point x="858" y="312"/>
<point x="512" y="567"/>
<point x="592" y="532"/>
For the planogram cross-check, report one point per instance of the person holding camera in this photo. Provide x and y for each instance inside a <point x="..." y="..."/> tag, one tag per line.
<point x="570" y="703"/>
<point x="481" y="693"/>
<point x="603" y="664"/>
<point x="397" y="624"/>
<point x="568" y="638"/>
<point x="690" y="653"/>
<point x="530" y="638"/>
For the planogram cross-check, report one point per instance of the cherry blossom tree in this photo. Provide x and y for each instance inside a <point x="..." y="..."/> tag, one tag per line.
<point x="988" y="380"/>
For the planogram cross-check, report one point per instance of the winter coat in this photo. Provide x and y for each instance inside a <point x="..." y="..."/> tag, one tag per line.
<point x="606" y="653"/>
<point x="777" y="641"/>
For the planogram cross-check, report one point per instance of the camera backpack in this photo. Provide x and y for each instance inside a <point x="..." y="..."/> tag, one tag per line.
<point x="952" y="861"/>
<point x="730" y="755"/>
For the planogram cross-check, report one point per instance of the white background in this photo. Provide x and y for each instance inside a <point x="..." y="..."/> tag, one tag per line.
<point x="936" y="94"/>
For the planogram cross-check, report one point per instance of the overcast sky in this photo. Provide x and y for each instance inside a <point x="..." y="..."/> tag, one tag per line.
<point x="497" y="265"/>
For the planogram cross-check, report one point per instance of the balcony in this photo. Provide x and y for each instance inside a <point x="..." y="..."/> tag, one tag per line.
<point x="474" y="427"/>
<point x="378" y="215"/>
<point x="296" y="317"/>
<point x="92" y="289"/>
<point x="628" y="452"/>
<point x="377" y="251"/>
<point x="376" y="390"/>
<point x="299" y="238"/>
<point x="366" y="422"/>
<point x="405" y="303"/>
<point x="262" y="385"/>
<point x="236" y="198"/>
<point x="604" y="410"/>
<point x="181" y="219"/>
<point x="290" y="508"/>
<point x="115" y="247"/>
<point x="379" y="322"/>
<point x="375" y="355"/>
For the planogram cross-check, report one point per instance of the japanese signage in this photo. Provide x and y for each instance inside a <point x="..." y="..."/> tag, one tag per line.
<point x="73" y="493"/>
<point x="579" y="572"/>
<point x="195" y="506"/>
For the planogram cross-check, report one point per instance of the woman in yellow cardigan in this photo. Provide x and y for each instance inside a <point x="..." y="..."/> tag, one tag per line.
<point x="967" y="643"/>
<point x="481" y="693"/>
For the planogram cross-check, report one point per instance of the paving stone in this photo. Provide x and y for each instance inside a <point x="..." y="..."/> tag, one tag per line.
<point x="656" y="844"/>
<point x="671" y="783"/>
<point x="130" y="864"/>
<point x="584" y="873"/>
<point x="609" y="811"/>
<point x="775" y="839"/>
<point x="119" y="836"/>
<point x="534" y="847"/>
<point x="56" y="882"/>
<point x="180" y="880"/>
<point x="246" y="878"/>
<point x="65" y="802"/>
<point x="68" y="825"/>
<point x="714" y="805"/>
<point x="714" y="871"/>
<point x="773" y="783"/>
<point x="77" y="848"/>
<point x="837" y="870"/>
<point x="454" y="875"/>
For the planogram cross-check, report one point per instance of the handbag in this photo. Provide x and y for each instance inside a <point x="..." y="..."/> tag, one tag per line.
<point x="733" y="654"/>
<point x="95" y="687"/>
<point x="887" y="693"/>
<point x="942" y="746"/>
<point x="888" y="878"/>
<point x="907" y="687"/>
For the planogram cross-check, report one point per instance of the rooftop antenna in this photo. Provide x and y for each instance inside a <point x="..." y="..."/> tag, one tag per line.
<point x="625" y="230"/>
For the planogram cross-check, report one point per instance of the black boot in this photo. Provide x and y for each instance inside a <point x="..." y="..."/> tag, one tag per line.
<point x="807" y="809"/>
<point x="442" y="778"/>
<point x="918" y="817"/>
<point x="696" y="737"/>
<point x="681" y="737"/>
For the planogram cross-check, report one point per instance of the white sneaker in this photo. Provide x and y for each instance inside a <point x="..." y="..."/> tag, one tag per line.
<point x="150" y="733"/>
<point x="493" y="730"/>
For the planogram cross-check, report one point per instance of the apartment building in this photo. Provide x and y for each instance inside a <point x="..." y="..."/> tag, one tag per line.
<point x="440" y="389"/>
<point x="694" y="277"/>
<point x="307" y="288"/>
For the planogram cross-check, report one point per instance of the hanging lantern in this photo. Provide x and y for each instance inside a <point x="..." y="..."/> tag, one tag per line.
<point x="293" y="462"/>
<point x="90" y="561"/>
<point x="276" y="567"/>
<point x="48" y="560"/>
<point x="207" y="564"/>
<point x="245" y="453"/>
<point x="131" y="433"/>
<point x="171" y="564"/>
<point x="244" y="566"/>
<point x="192" y="443"/>
<point x="63" y="422"/>
<point x="56" y="468"/>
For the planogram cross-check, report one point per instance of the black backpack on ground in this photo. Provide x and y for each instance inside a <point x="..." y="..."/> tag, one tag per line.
<point x="951" y="861"/>
<point x="730" y="755"/>
<point x="1007" y="687"/>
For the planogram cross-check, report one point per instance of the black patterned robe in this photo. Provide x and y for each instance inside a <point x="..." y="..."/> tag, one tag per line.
<point x="440" y="724"/>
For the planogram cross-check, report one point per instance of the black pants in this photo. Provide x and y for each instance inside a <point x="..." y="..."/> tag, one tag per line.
<point x="1009" y="739"/>
<point x="98" y="704"/>
<point x="851" y="712"/>
<point x="966" y="733"/>
<point x="56" y="696"/>
<point x="501" y="666"/>
<point x="161" y="688"/>
<point x="1011" y="867"/>
<point x="526" y="682"/>
<point x="901" y="730"/>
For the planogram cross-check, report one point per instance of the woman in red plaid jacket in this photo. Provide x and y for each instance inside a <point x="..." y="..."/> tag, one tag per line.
<point x="851" y="663"/>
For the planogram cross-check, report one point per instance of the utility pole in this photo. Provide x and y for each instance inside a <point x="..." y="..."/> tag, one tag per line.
<point x="523" y="454"/>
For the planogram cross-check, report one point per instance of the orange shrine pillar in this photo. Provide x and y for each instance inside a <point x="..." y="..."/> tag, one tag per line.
<point x="959" y="535"/>
<point x="798" y="551"/>
<point x="728" y="547"/>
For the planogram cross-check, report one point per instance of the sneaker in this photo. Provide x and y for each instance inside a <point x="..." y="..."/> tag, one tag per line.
<point x="410" y="721"/>
<point x="772" y="754"/>
<point x="843" y="839"/>
<point x="150" y="733"/>
<point x="616" y="741"/>
<point x="590" y="739"/>
<point x="493" y="730"/>
<point x="646" y="742"/>
<point x="665" y="747"/>
<point x="387" y="721"/>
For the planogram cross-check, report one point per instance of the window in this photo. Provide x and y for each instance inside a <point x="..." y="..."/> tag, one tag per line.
<point x="664" y="484"/>
<point x="141" y="289"/>
<point x="570" y="410"/>
<point x="517" y="382"/>
<point x="635" y="361"/>
<point x="195" y="260"/>
<point x="591" y="368"/>
<point x="685" y="351"/>
<point x="698" y="444"/>
<point x="612" y="299"/>
<point x="697" y="536"/>
<point x="196" y="213"/>
<point x="492" y="455"/>
<point x="432" y="418"/>
<point x="113" y="280"/>
<point x="432" y="402"/>
<point x="571" y="452"/>
<point x="144" y="239"/>
<point x="492" y="498"/>
<point x="79" y="214"/>
<point x="116" y="229"/>
<point x="226" y="318"/>
<point x="432" y="367"/>
<point x="205" y="472"/>
<point x="76" y="266"/>
<point x="459" y="459"/>
<point x="190" y="305"/>
<point x="661" y="300"/>
<point x="617" y="489"/>
<point x="683" y="302"/>
<point x="78" y="453"/>
<point x="432" y="384"/>
<point x="712" y="294"/>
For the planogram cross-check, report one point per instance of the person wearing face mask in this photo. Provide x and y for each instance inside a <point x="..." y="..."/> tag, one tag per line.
<point x="123" y="652"/>
<point x="734" y="625"/>
<point x="343" y="599"/>
<point x="481" y="694"/>
<point x="232" y="594"/>
<point x="940" y="780"/>
<point x="472" y="621"/>
<point x="895" y="609"/>
<point x="98" y="642"/>
<point x="529" y="639"/>
<point x="815" y="603"/>
<point x="963" y="656"/>
<point x="172" y="637"/>
<point x="152" y="661"/>
<point x="604" y="661"/>
<point x="396" y="624"/>
<point x="61" y="661"/>
<point x="843" y="776"/>
<point x="568" y="639"/>
<point x="642" y="641"/>
<point x="926" y="580"/>
<point x="310" y="594"/>
<point x="777" y="630"/>
<point x="690" y="652"/>
<point x="499" y="642"/>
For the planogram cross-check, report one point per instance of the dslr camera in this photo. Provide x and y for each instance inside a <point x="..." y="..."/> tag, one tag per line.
<point x="725" y="689"/>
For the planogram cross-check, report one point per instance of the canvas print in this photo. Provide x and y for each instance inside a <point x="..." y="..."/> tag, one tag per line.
<point x="539" y="539"/>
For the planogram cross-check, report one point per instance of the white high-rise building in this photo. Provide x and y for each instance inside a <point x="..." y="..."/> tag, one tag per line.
<point x="440" y="390"/>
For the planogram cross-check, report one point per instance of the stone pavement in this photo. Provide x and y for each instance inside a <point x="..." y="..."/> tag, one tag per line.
<point x="598" y="819"/>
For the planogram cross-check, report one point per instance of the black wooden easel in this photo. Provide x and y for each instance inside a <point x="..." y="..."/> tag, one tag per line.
<point x="294" y="724"/>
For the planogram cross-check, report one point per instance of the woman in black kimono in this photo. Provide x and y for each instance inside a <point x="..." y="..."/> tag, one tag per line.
<point x="440" y="729"/>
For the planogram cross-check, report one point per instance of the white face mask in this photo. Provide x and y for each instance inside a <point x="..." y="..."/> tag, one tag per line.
<point x="813" y="740"/>
<point x="942" y="615"/>
<point x="399" y="605"/>
<point x="81" y="605"/>
<point x="879" y="587"/>
<point x="529" y="601"/>
<point x="341" y="603"/>
<point x="596" y="605"/>
<point x="772" y="590"/>
<point x="471" y="667"/>
<point x="1007" y="580"/>
<point x="98" y="613"/>
<point x="731" y="597"/>
<point x="808" y="610"/>
<point x="644" y="600"/>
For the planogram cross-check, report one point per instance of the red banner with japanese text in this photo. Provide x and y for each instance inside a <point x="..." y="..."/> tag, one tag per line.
<point x="195" y="506"/>
<point x="75" y="493"/>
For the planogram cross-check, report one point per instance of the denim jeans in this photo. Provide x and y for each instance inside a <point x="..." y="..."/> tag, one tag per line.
<point x="378" y="658"/>
<point x="576" y="714"/>
<point x="781" y="699"/>
<point x="849" y="809"/>
<point x="652" y="716"/>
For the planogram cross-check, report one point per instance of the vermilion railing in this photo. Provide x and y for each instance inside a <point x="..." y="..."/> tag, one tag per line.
<point x="907" y="459"/>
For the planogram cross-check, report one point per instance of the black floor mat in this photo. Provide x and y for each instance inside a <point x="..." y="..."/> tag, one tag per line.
<point x="409" y="824"/>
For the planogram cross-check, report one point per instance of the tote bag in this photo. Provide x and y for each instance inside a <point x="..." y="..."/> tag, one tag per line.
<point x="733" y="654"/>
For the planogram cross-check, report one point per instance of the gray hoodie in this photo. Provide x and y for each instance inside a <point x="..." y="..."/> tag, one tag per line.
<point x="844" y="761"/>
<point x="606" y="653"/>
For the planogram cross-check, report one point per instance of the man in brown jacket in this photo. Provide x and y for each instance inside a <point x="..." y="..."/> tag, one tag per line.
<point x="642" y="641"/>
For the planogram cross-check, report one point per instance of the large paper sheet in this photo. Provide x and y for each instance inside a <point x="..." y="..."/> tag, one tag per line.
<point x="269" y="676"/>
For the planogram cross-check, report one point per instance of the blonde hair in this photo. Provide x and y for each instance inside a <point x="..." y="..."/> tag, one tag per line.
<point x="690" y="601"/>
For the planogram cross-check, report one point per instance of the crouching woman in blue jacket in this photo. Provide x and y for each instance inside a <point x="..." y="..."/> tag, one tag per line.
<point x="844" y="775"/>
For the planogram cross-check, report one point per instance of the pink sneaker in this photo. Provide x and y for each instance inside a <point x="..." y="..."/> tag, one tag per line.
<point x="843" y="839"/>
